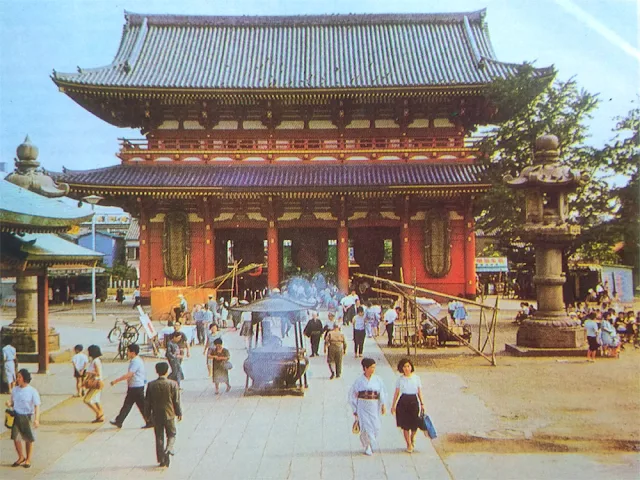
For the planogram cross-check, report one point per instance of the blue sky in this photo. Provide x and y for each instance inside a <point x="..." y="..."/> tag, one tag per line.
<point x="595" y="41"/>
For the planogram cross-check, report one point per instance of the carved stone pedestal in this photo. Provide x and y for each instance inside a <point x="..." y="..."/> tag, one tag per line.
<point x="24" y="329"/>
<point x="545" y="334"/>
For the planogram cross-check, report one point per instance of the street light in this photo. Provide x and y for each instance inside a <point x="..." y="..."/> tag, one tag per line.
<point x="93" y="200"/>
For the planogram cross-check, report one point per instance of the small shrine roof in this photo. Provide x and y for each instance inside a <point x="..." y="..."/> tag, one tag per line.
<point x="43" y="248"/>
<point x="272" y="177"/>
<point x="240" y="54"/>
<point x="24" y="211"/>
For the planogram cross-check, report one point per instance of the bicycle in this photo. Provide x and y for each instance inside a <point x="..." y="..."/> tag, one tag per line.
<point x="122" y="328"/>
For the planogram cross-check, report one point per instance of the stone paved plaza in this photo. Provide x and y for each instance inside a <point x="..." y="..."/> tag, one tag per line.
<point x="270" y="437"/>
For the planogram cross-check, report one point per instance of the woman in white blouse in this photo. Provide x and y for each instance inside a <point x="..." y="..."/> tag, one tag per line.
<point x="407" y="404"/>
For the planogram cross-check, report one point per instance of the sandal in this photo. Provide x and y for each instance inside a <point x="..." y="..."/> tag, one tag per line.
<point x="100" y="419"/>
<point x="26" y="465"/>
<point x="17" y="463"/>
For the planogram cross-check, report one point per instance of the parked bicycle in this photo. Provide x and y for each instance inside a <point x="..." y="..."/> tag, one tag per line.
<point x="122" y="328"/>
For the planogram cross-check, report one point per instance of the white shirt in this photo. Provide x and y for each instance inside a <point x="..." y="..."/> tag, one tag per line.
<point x="8" y="353"/>
<point x="25" y="399"/>
<point x="348" y="301"/>
<point x="409" y="385"/>
<point x="93" y="369"/>
<point x="390" y="316"/>
<point x="136" y="366"/>
<point x="80" y="361"/>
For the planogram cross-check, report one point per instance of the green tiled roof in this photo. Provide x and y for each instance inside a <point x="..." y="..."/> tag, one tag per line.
<point x="299" y="53"/>
<point x="39" y="248"/>
<point x="24" y="211"/>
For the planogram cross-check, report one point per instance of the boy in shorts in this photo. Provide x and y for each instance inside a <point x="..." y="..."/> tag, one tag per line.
<point x="80" y="362"/>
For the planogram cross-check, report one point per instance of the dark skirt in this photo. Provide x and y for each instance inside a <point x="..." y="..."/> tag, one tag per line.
<point x="407" y="412"/>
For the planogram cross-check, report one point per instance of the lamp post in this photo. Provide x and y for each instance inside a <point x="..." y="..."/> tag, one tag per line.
<point x="93" y="201"/>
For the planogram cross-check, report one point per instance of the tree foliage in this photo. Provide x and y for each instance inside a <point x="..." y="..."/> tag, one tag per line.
<point x="558" y="108"/>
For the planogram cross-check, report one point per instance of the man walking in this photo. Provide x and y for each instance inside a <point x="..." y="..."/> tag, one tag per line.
<point x="136" y="378"/>
<point x="390" y="318"/>
<point x="335" y="344"/>
<point x="162" y="405"/>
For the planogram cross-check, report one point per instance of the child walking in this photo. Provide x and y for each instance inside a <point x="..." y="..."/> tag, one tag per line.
<point x="80" y="362"/>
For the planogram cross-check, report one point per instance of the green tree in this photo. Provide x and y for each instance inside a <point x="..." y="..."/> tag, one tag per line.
<point x="530" y="107"/>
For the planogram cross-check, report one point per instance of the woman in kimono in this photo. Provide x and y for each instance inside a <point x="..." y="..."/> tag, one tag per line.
<point x="367" y="398"/>
<point x="610" y="338"/>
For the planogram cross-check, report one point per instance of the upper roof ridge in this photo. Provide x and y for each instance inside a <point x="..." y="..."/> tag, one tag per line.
<point x="303" y="20"/>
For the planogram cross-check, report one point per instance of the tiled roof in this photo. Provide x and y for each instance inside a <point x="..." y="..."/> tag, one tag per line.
<point x="24" y="211"/>
<point x="278" y="177"/>
<point x="45" y="248"/>
<point x="133" y="233"/>
<point x="299" y="52"/>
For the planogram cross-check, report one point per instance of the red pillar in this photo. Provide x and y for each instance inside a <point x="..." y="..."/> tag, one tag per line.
<point x="209" y="243"/>
<point x="405" y="250"/>
<point x="145" y="254"/>
<point x="273" y="256"/>
<point x="43" y="323"/>
<point x="343" y="257"/>
<point x="469" y="256"/>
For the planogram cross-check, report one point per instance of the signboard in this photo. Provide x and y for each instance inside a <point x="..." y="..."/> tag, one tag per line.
<point x="146" y="323"/>
<point x="491" y="264"/>
<point x="620" y="281"/>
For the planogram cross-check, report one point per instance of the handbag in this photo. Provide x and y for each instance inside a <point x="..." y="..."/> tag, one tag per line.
<point x="355" y="428"/>
<point x="228" y="365"/>
<point x="9" y="418"/>
<point x="92" y="383"/>
<point x="426" y="425"/>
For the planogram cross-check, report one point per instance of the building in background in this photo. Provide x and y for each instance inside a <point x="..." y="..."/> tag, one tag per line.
<point x="301" y="137"/>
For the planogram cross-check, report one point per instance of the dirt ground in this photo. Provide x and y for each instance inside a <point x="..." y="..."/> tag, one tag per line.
<point x="529" y="405"/>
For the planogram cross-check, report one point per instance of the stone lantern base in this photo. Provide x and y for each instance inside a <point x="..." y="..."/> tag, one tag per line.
<point x="25" y="341"/>
<point x="551" y="334"/>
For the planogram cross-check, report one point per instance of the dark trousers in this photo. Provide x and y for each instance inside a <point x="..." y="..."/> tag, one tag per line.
<point x="160" y="428"/>
<point x="390" y="333"/>
<point x="334" y="355"/>
<point x="200" y="332"/>
<point x="134" y="395"/>
<point x="136" y="302"/>
<point x="349" y="314"/>
<point x="358" y="339"/>
<point x="315" y="343"/>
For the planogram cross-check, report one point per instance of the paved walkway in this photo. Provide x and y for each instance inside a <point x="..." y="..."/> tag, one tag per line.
<point x="229" y="435"/>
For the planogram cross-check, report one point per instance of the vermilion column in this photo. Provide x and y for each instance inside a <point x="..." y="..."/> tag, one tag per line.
<point x="273" y="256"/>
<point x="469" y="256"/>
<point x="43" y="323"/>
<point x="145" y="251"/>
<point x="209" y="243"/>
<point x="343" y="257"/>
<point x="405" y="250"/>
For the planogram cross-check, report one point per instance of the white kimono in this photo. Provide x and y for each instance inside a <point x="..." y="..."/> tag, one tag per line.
<point x="368" y="411"/>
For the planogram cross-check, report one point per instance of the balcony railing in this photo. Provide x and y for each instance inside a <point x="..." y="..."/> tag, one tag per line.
<point x="304" y="147"/>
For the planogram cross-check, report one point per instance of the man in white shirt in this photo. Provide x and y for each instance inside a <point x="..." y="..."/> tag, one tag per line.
<point x="136" y="378"/>
<point x="25" y="401"/>
<point x="349" y="306"/>
<point x="9" y="359"/>
<point x="390" y="317"/>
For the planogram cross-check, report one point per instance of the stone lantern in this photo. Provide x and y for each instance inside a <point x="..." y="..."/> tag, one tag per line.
<point x="546" y="185"/>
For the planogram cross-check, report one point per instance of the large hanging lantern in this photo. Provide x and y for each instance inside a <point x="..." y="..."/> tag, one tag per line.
<point x="309" y="252"/>
<point x="437" y="247"/>
<point x="368" y="251"/>
<point x="176" y="245"/>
